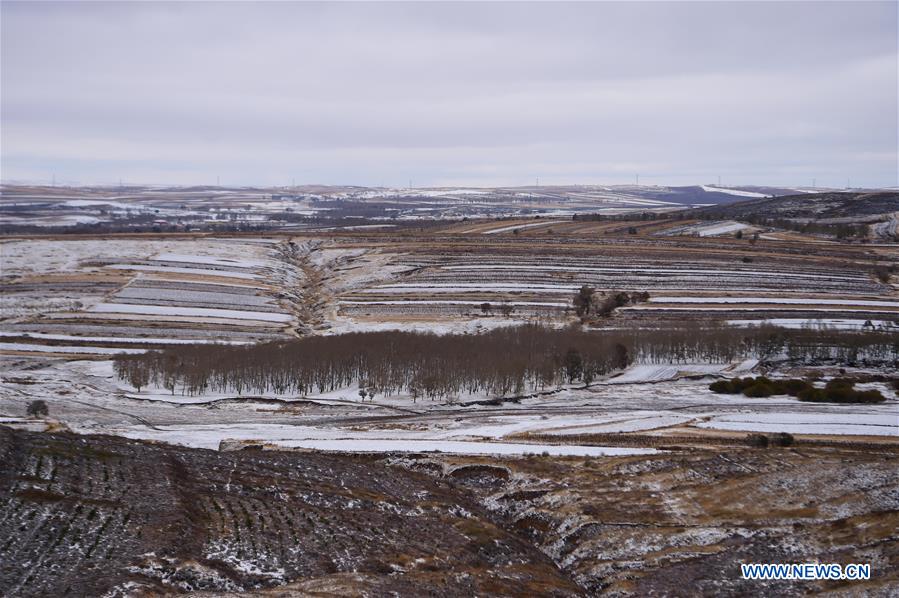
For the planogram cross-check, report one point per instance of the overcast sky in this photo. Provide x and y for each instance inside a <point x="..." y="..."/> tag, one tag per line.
<point x="450" y="93"/>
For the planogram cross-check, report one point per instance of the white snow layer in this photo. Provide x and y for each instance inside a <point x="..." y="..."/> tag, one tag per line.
<point x="165" y="310"/>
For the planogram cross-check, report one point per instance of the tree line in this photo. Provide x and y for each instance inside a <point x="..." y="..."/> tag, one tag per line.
<point x="501" y="362"/>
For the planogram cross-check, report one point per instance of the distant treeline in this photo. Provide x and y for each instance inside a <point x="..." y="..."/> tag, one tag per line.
<point x="500" y="362"/>
<point x="630" y="216"/>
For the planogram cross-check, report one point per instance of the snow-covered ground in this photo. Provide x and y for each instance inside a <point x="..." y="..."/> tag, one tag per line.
<point x="212" y="261"/>
<point x="650" y="269"/>
<point x="654" y="400"/>
<point x="720" y="229"/>
<point x="444" y="192"/>
<point x="88" y="203"/>
<point x="72" y="255"/>
<point x="661" y="372"/>
<point x="737" y="192"/>
<point x="158" y="291"/>
<point x="471" y="287"/>
<point x="178" y="270"/>
<point x="774" y="300"/>
<point x="162" y="289"/>
<point x="832" y="323"/>
<point x="26" y="347"/>
<point x="459" y="302"/>
<point x="460" y="447"/>
<point x="506" y="229"/>
<point x="200" y="312"/>
<point x="116" y="339"/>
<point x="850" y="424"/>
<point x="343" y="325"/>
<point x="647" y="420"/>
<point x="741" y="307"/>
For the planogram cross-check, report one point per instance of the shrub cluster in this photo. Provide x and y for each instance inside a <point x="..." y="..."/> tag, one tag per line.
<point x="760" y="386"/>
<point x="763" y="441"/>
<point x="838" y="390"/>
<point x="586" y="302"/>
<point x="883" y="273"/>
<point x="37" y="408"/>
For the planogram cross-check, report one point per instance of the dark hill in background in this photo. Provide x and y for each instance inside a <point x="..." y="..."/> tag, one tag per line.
<point x="813" y="206"/>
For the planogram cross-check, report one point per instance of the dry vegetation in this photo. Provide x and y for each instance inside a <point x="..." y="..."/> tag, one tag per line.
<point x="681" y="523"/>
<point x="85" y="516"/>
<point x="159" y="519"/>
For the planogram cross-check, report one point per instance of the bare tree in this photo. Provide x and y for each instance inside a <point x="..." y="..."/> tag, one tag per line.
<point x="38" y="408"/>
<point x="497" y="362"/>
<point x="583" y="301"/>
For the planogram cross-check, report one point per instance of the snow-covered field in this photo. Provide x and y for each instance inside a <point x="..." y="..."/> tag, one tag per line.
<point x="116" y="339"/>
<point x="163" y="310"/>
<point x="211" y="290"/>
<point x="214" y="294"/>
<point x="507" y="229"/>
<point x="654" y="400"/>
<point x="469" y="287"/>
<point x="644" y="422"/>
<point x="472" y="325"/>
<point x="66" y="294"/>
<point x="774" y="300"/>
<point x="721" y="229"/>
<point x="79" y="350"/>
<point x="460" y="447"/>
<point x="651" y="269"/>
<point x="447" y="287"/>
<point x="459" y="302"/>
<point x="737" y="192"/>
<point x="830" y="323"/>
<point x="177" y="270"/>
<point x="658" y="373"/>
<point x="166" y="256"/>
<point x="851" y="424"/>
<point x="72" y="255"/>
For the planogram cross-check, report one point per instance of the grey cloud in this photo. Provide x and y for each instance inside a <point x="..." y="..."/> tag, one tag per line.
<point x="454" y="93"/>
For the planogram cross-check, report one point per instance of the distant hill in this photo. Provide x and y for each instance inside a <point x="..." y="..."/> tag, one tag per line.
<point x="812" y="206"/>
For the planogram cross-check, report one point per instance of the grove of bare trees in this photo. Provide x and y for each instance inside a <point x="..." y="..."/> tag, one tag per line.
<point x="499" y="362"/>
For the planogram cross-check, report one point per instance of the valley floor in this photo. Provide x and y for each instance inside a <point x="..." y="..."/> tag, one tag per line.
<point x="642" y="483"/>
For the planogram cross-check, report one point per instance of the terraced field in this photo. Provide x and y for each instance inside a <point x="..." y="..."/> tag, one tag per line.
<point x="108" y="293"/>
<point x="687" y="279"/>
<point x="61" y="295"/>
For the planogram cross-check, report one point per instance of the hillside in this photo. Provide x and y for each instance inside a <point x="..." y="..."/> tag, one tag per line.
<point x="39" y="210"/>
<point x="814" y="206"/>
<point x="105" y="516"/>
<point x="92" y="516"/>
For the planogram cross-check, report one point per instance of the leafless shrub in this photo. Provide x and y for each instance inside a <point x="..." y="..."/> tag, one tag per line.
<point x="38" y="408"/>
